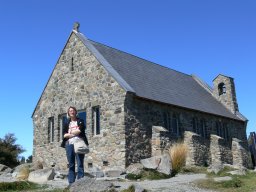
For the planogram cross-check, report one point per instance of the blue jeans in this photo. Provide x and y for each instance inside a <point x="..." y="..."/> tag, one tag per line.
<point x="71" y="156"/>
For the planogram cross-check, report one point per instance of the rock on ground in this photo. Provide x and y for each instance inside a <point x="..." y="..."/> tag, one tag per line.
<point x="88" y="184"/>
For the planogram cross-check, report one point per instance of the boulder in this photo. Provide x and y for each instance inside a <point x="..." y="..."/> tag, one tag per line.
<point x="60" y="174"/>
<point x="215" y="168"/>
<point x="160" y="163"/>
<point x="95" y="172"/>
<point x="115" y="172"/>
<point x="151" y="163"/>
<point x="4" y="169"/>
<point x="135" y="168"/>
<point x="22" y="171"/>
<point x="88" y="184"/>
<point x="41" y="175"/>
<point x="165" y="165"/>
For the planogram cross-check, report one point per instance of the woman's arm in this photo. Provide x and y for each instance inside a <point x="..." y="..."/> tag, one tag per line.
<point x="75" y="132"/>
<point x="68" y="135"/>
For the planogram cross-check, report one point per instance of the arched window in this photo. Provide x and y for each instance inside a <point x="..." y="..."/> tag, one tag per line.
<point x="222" y="88"/>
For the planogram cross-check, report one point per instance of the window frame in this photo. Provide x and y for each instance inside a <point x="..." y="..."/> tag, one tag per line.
<point x="51" y="129"/>
<point x="175" y="122"/>
<point x="96" y="128"/>
<point x="61" y="124"/>
<point x="195" y="125"/>
<point x="85" y="117"/>
<point x="167" y="121"/>
<point x="202" y="127"/>
<point x="171" y="119"/>
<point x="222" y="88"/>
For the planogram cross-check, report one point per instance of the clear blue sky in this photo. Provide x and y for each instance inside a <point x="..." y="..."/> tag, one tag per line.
<point x="202" y="37"/>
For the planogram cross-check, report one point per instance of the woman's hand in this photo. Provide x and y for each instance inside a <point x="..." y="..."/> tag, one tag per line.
<point x="75" y="132"/>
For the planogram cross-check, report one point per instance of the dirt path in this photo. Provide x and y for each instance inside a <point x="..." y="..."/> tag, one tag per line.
<point x="179" y="183"/>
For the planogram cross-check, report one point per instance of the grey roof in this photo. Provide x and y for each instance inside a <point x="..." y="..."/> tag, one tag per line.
<point x="155" y="82"/>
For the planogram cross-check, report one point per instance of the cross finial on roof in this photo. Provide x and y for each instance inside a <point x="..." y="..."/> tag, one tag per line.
<point x="76" y="26"/>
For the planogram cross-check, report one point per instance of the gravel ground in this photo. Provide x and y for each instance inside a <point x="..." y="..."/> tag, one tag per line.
<point x="179" y="183"/>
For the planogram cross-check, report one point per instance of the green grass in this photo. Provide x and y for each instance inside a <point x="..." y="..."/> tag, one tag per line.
<point x="17" y="186"/>
<point x="223" y="172"/>
<point x="148" y="174"/>
<point x="193" y="169"/>
<point x="132" y="176"/>
<point x="26" y="186"/>
<point x="239" y="183"/>
<point x="130" y="189"/>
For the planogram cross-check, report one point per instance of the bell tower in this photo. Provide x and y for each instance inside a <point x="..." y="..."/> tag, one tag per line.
<point x="224" y="91"/>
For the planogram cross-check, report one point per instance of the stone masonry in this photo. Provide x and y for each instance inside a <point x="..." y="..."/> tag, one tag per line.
<point x="228" y="98"/>
<point x="145" y="134"/>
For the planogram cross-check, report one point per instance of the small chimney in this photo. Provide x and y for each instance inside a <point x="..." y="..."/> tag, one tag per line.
<point x="76" y="26"/>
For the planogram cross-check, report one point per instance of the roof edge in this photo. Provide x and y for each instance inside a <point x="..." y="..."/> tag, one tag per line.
<point x="51" y="73"/>
<point x="105" y="63"/>
<point x="241" y="116"/>
<point x="223" y="76"/>
<point x="190" y="109"/>
<point x="202" y="83"/>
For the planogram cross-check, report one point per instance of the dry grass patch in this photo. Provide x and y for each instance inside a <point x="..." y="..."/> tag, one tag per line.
<point x="178" y="153"/>
<point x="23" y="173"/>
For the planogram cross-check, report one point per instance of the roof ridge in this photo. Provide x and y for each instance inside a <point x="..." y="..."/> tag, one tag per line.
<point x="202" y="83"/>
<point x="151" y="62"/>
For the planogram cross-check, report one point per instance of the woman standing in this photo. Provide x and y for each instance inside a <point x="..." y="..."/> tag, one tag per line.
<point x="74" y="128"/>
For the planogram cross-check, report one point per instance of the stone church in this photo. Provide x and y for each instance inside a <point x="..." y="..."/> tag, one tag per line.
<point x="134" y="109"/>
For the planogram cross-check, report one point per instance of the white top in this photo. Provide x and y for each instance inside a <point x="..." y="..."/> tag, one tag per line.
<point x="72" y="126"/>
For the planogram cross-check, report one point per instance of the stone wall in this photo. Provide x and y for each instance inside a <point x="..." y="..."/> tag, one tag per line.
<point x="141" y="142"/>
<point x="88" y="85"/>
<point x="160" y="141"/>
<point x="240" y="153"/>
<point x="229" y="97"/>
<point x="198" y="149"/>
<point x="220" y="151"/>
